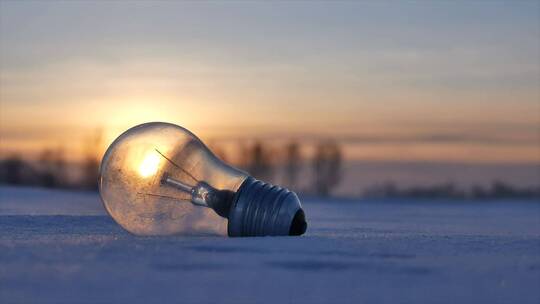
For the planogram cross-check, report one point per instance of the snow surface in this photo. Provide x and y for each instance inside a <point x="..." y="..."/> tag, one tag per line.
<point x="61" y="247"/>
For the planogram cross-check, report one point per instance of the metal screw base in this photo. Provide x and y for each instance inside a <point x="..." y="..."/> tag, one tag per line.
<point x="262" y="209"/>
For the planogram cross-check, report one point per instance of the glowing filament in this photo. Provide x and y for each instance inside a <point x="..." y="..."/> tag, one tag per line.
<point x="150" y="164"/>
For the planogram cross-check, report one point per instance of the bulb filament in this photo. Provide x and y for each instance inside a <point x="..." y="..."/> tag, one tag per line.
<point x="177" y="166"/>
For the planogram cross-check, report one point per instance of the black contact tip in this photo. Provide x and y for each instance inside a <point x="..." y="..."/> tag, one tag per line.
<point x="299" y="224"/>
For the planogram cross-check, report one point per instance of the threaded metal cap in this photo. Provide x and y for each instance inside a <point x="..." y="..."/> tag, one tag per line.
<point x="263" y="209"/>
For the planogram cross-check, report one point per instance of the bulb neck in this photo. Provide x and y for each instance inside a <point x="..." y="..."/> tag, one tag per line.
<point x="219" y="200"/>
<point x="263" y="209"/>
<point x="203" y="195"/>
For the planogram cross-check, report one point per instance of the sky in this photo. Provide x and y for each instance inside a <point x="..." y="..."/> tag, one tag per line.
<point x="411" y="81"/>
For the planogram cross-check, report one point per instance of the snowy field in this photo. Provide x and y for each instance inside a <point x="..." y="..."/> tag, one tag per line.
<point x="61" y="247"/>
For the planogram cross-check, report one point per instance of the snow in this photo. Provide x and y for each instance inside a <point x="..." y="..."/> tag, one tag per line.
<point x="61" y="247"/>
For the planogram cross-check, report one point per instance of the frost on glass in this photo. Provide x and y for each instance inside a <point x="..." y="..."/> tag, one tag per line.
<point x="155" y="179"/>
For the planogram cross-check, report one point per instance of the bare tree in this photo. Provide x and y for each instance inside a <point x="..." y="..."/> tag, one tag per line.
<point x="91" y="160"/>
<point x="292" y="164"/>
<point x="12" y="170"/>
<point x="47" y="172"/>
<point x="259" y="161"/>
<point x="327" y="167"/>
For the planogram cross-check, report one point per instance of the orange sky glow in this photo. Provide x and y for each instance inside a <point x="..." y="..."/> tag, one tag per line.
<point x="438" y="94"/>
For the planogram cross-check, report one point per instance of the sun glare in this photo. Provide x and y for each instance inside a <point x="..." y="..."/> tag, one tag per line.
<point x="149" y="166"/>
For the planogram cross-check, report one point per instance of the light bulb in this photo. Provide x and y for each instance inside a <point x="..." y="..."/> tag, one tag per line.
<point x="155" y="176"/>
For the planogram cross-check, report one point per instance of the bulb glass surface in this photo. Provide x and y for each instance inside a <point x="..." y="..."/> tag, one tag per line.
<point x="157" y="178"/>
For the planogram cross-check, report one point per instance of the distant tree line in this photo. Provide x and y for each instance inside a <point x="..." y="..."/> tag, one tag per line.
<point x="323" y="169"/>
<point x="497" y="190"/>
<point x="315" y="168"/>
<point x="260" y="160"/>
<point x="51" y="169"/>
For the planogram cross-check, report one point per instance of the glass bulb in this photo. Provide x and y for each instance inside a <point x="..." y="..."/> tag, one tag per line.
<point x="160" y="179"/>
